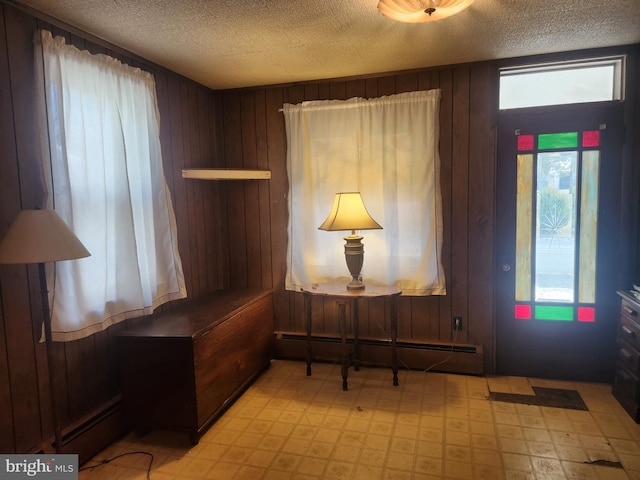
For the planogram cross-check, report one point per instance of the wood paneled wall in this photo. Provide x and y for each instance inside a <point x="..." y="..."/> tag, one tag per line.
<point x="468" y="120"/>
<point x="254" y="135"/>
<point x="233" y="234"/>
<point x="87" y="370"/>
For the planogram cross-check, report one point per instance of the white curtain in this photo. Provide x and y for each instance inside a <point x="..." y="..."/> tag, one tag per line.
<point x="387" y="149"/>
<point x="103" y="172"/>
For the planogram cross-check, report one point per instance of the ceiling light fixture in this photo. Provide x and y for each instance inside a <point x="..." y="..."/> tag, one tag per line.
<point x="418" y="11"/>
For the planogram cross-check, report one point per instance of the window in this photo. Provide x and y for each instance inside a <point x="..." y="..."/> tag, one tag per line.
<point x="387" y="149"/>
<point x="596" y="80"/>
<point x="103" y="171"/>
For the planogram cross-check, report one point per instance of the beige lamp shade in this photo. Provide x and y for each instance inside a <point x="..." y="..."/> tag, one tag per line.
<point x="40" y="236"/>
<point x="417" y="11"/>
<point x="349" y="213"/>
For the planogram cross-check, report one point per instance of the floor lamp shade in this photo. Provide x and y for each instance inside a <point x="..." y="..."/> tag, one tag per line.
<point x="349" y="213"/>
<point x="40" y="236"/>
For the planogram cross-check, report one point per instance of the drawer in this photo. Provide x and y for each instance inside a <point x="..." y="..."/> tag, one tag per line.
<point x="629" y="332"/>
<point x="628" y="384"/>
<point x="633" y="408"/>
<point x="629" y="358"/>
<point x="629" y="310"/>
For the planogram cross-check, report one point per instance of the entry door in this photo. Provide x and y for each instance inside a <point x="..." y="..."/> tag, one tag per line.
<point x="558" y="189"/>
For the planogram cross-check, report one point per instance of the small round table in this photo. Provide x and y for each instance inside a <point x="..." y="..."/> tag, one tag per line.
<point x="343" y="296"/>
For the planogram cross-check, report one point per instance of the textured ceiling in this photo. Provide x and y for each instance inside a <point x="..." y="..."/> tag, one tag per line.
<point x="238" y="43"/>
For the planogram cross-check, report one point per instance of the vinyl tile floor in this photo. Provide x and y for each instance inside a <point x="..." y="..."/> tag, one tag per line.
<point x="287" y="426"/>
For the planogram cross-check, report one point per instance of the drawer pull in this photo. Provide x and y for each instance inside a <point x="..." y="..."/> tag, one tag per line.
<point x="628" y="332"/>
<point x="629" y="311"/>
<point x="624" y="376"/>
<point x="625" y="354"/>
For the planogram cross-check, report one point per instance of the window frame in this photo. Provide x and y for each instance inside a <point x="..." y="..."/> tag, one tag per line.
<point x="618" y="88"/>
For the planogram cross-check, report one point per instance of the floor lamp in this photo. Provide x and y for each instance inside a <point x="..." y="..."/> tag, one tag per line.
<point x="41" y="236"/>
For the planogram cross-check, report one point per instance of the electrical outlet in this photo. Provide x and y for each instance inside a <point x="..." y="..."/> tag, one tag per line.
<point x="456" y="323"/>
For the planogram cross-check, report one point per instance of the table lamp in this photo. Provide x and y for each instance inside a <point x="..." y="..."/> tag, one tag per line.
<point x="349" y="213"/>
<point x="39" y="236"/>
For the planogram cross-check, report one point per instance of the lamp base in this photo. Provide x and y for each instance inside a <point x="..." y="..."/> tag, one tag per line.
<point x="355" y="285"/>
<point x="354" y="254"/>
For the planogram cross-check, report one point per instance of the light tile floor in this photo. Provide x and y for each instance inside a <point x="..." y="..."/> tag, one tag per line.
<point x="289" y="426"/>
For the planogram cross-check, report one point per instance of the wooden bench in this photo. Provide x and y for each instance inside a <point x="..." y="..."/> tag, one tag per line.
<point x="183" y="367"/>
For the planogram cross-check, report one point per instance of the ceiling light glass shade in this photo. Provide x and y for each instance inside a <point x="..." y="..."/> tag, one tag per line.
<point x="418" y="11"/>
<point x="40" y="236"/>
<point x="349" y="213"/>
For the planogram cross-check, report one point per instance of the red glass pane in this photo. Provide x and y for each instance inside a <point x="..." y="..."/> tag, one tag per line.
<point x="525" y="142"/>
<point x="586" y="314"/>
<point x="523" y="312"/>
<point x="591" y="138"/>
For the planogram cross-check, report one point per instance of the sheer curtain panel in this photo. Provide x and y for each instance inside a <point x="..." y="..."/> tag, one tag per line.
<point x="387" y="149"/>
<point x="103" y="172"/>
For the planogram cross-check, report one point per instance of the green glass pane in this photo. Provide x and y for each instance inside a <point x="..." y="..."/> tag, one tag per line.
<point x="548" y="141"/>
<point x="588" y="226"/>
<point x="554" y="313"/>
<point x="523" y="227"/>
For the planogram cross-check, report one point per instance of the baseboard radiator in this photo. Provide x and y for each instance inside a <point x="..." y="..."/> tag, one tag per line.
<point x="414" y="355"/>
<point x="92" y="433"/>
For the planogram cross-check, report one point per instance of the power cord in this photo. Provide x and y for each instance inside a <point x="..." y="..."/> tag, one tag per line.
<point x="455" y="337"/>
<point x="109" y="460"/>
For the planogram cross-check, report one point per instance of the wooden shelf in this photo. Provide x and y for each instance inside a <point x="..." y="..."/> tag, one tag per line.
<point x="225" y="174"/>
